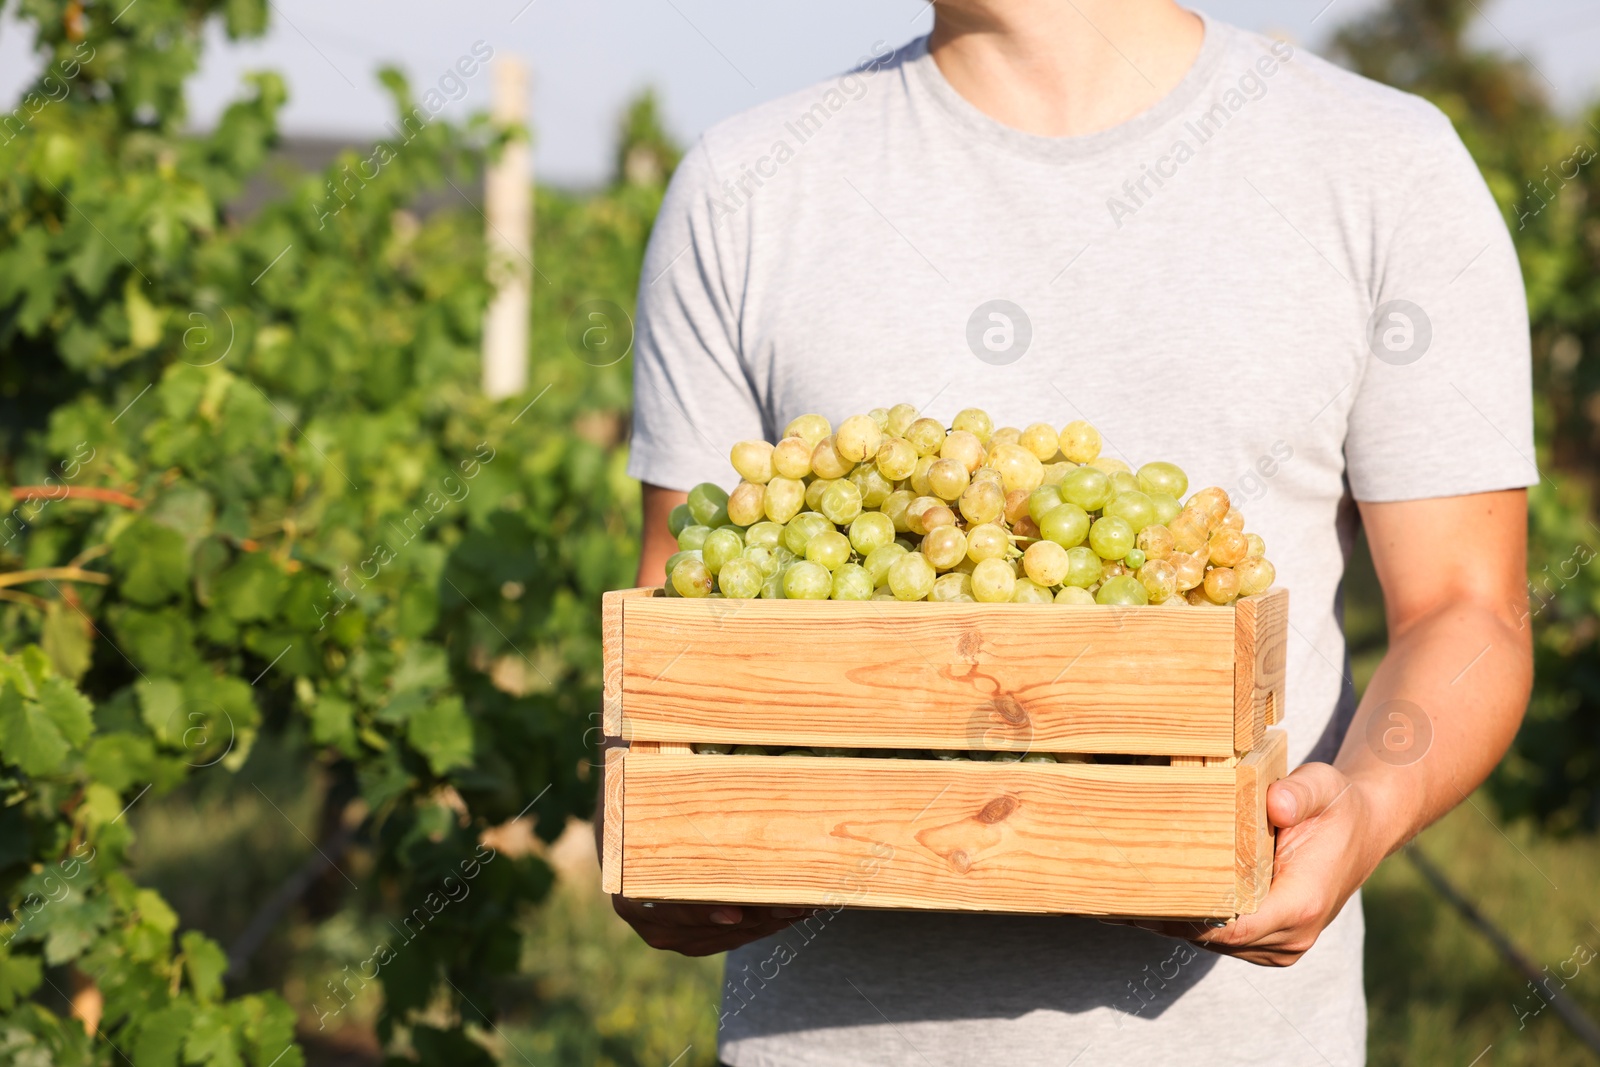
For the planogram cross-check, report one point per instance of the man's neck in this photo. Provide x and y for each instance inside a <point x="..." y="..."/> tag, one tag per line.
<point x="1064" y="69"/>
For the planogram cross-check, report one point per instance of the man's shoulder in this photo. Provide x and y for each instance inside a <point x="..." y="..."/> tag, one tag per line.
<point x="786" y="122"/>
<point x="1338" y="99"/>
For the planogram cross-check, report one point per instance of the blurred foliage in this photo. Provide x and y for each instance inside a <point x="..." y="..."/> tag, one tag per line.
<point x="1544" y="170"/>
<point x="252" y="458"/>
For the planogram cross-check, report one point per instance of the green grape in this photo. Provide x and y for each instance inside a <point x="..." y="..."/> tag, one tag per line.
<point x="1042" y="440"/>
<point x="1255" y="576"/>
<point x="1080" y="443"/>
<point x="1221" y="585"/>
<point x="1167" y="507"/>
<point x="1072" y="594"/>
<point x="677" y="519"/>
<point x="1083" y="567"/>
<point x="895" y="508"/>
<point x="1046" y="563"/>
<point x="691" y="578"/>
<point x="987" y="541"/>
<point x="947" y="479"/>
<point x="1054" y="473"/>
<point x="1028" y="591"/>
<point x="1123" y="482"/>
<point x="1134" y="559"/>
<point x="1111" y="465"/>
<point x="1087" y="487"/>
<point x="852" y="582"/>
<point x="896" y="458"/>
<point x="1257" y="547"/>
<point x="1123" y="589"/>
<point x="783" y="555"/>
<point x="879" y="560"/>
<point x="879" y="416"/>
<point x="693" y="537"/>
<point x="783" y="499"/>
<point x="874" y="487"/>
<point x="806" y="580"/>
<point x="941" y="754"/>
<point x="993" y="581"/>
<point x="750" y="750"/>
<point x="1111" y="537"/>
<point x="840" y="502"/>
<point x="1066" y="525"/>
<point x="1160" y="477"/>
<point x="926" y="436"/>
<point x="1213" y="503"/>
<point x="1155" y="542"/>
<point x="982" y="501"/>
<point x="1038" y="757"/>
<point x="871" y="530"/>
<point x="963" y="447"/>
<point x="1042" y="501"/>
<point x="720" y="547"/>
<point x="830" y="548"/>
<point x="858" y="438"/>
<point x="740" y="579"/>
<point x="1228" y="547"/>
<point x="836" y="753"/>
<point x="791" y="458"/>
<point x="901" y="416"/>
<point x="798" y="752"/>
<point x="952" y="587"/>
<point x="1160" y="580"/>
<point x="907" y="543"/>
<point x="708" y="503"/>
<point x="814" y="492"/>
<point x="975" y="421"/>
<point x="753" y="461"/>
<point x="944" y="547"/>
<point x="911" y="577"/>
<point x="1019" y="468"/>
<point x="747" y="504"/>
<point x="811" y="427"/>
<point x="711" y="748"/>
<point x="764" y="534"/>
<point x="772" y="587"/>
<point x="764" y="558"/>
<point x="1134" y="508"/>
<point x="801" y="529"/>
<point x="826" y="461"/>
<point x="1189" y="570"/>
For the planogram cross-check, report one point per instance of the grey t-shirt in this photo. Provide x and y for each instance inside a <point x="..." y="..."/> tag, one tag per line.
<point x="1287" y="279"/>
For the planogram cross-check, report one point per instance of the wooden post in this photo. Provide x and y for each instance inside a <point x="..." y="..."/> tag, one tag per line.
<point x="508" y="195"/>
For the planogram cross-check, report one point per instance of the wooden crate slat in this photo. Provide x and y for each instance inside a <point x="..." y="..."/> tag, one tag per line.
<point x="1256" y="771"/>
<point x="611" y="646"/>
<point x="880" y="674"/>
<point x="1259" y="657"/>
<point x="1088" y="839"/>
<point x="614" y="817"/>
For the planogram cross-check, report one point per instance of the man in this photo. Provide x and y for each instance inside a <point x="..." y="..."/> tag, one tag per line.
<point x="1221" y="251"/>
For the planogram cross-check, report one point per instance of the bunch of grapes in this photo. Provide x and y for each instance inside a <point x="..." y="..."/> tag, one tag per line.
<point x="891" y="506"/>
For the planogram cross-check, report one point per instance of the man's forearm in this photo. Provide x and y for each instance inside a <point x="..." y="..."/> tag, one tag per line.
<point x="1440" y="711"/>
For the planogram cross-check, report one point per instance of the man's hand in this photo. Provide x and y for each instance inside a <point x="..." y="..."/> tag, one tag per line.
<point x="702" y="929"/>
<point x="1325" y="851"/>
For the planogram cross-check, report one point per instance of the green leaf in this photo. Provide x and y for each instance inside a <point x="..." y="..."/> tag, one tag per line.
<point x="212" y="1039"/>
<point x="442" y="732"/>
<point x="250" y="590"/>
<point x="423" y="667"/>
<point x="153" y="561"/>
<point x="161" y="707"/>
<point x="28" y="737"/>
<point x="333" y="723"/>
<point x="205" y="963"/>
<point x="69" y="925"/>
<point x="69" y="709"/>
<point x="65" y="639"/>
<point x="161" y="1036"/>
<point x="19" y="977"/>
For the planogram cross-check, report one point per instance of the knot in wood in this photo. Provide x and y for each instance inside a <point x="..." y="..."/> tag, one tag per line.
<point x="958" y="859"/>
<point x="970" y="644"/>
<point x="997" y="810"/>
<point x="1011" y="712"/>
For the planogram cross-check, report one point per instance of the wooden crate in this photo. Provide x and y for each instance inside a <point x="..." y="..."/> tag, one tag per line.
<point x="1189" y="839"/>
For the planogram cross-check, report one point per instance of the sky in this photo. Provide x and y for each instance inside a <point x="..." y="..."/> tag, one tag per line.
<point x="706" y="58"/>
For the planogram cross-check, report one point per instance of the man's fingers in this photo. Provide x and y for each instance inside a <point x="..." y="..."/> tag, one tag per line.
<point x="1304" y="794"/>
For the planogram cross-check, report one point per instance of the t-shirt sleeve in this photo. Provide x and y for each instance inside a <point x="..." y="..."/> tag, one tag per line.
<point x="692" y="398"/>
<point x="1445" y="406"/>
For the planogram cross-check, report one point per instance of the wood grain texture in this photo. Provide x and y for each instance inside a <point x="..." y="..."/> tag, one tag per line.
<point x="878" y="674"/>
<point x="1256" y="771"/>
<point x="611" y="644"/>
<point x="615" y="819"/>
<point x="1079" y="838"/>
<point x="1261" y="639"/>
